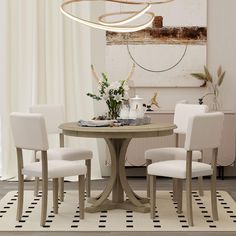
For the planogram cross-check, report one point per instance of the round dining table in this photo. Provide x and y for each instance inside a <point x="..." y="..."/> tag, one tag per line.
<point x="117" y="140"/>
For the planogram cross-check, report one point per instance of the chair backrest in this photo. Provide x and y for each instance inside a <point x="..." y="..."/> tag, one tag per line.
<point x="29" y="131"/>
<point x="182" y="114"/>
<point x="204" y="131"/>
<point x="53" y="114"/>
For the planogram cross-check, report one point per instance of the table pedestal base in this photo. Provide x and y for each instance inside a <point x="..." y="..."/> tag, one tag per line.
<point x="126" y="205"/>
<point x="118" y="187"/>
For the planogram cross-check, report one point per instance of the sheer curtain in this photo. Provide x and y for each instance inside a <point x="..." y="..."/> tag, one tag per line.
<point x="45" y="58"/>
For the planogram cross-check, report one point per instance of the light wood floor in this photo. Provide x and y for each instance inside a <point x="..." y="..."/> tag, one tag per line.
<point x="228" y="185"/>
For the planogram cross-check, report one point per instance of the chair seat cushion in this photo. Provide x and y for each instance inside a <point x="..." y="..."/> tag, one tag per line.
<point x="177" y="169"/>
<point x="68" y="154"/>
<point x="56" y="169"/>
<point x="170" y="153"/>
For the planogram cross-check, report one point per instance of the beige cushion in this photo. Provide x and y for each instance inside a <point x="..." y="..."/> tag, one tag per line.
<point x="56" y="169"/>
<point x="29" y="131"/>
<point x="177" y="169"/>
<point x="68" y="154"/>
<point x="182" y="114"/>
<point x="170" y="153"/>
<point x="204" y="131"/>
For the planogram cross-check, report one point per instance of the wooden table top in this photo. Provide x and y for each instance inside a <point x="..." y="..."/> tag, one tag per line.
<point x="140" y="131"/>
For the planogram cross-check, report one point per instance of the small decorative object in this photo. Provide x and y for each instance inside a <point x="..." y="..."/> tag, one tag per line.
<point x="214" y="85"/>
<point x="112" y="93"/>
<point x="200" y="101"/>
<point x="148" y="107"/>
<point x="136" y="107"/>
<point x="153" y="102"/>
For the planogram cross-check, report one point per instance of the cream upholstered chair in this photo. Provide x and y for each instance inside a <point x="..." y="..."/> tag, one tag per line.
<point x="29" y="132"/>
<point x="181" y="115"/>
<point x="204" y="131"/>
<point x="54" y="116"/>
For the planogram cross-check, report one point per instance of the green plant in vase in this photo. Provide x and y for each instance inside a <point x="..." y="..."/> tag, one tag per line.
<point x="213" y="85"/>
<point x="113" y="94"/>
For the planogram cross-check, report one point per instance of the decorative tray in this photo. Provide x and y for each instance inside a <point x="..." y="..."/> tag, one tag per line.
<point x="96" y="123"/>
<point x="138" y="121"/>
<point x="119" y="122"/>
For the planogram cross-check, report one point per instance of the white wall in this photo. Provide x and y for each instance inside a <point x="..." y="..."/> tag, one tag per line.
<point x="222" y="46"/>
<point x="221" y="51"/>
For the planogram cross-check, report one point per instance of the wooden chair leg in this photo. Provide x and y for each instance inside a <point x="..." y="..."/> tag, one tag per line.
<point x="213" y="199"/>
<point x="55" y="196"/>
<point x="179" y="195"/>
<point x="20" y="198"/>
<point x="200" y="181"/>
<point x="189" y="201"/>
<point x="36" y="180"/>
<point x="44" y="188"/>
<point x="152" y="195"/>
<point x="213" y="186"/>
<point x="36" y="186"/>
<point x="44" y="202"/>
<point x="189" y="188"/>
<point x="81" y="195"/>
<point x="175" y="189"/>
<point x="200" y="186"/>
<point x="148" y="162"/>
<point x="88" y="178"/>
<point x="61" y="189"/>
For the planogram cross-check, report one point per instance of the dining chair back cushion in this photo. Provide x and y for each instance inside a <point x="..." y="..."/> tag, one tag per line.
<point x="29" y="131"/>
<point x="204" y="131"/>
<point x="53" y="114"/>
<point x="182" y="114"/>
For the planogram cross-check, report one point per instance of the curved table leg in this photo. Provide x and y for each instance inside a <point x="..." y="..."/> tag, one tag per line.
<point x="106" y="192"/>
<point x="129" y="192"/>
<point x="137" y="201"/>
<point x="118" y="183"/>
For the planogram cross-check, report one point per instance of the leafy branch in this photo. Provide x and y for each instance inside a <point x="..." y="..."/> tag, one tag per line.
<point x="208" y="78"/>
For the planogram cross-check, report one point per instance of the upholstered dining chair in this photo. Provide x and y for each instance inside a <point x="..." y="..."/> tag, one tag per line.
<point x="29" y="132"/>
<point x="181" y="115"/>
<point x="204" y="131"/>
<point x="54" y="116"/>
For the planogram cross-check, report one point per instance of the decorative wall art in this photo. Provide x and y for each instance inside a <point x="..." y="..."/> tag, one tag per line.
<point x="167" y="52"/>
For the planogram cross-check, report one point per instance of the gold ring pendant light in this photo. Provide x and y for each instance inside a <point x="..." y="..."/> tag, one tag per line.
<point x="116" y="26"/>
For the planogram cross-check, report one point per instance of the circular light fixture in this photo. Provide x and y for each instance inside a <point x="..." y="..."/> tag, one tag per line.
<point x="116" y="26"/>
<point x="106" y="27"/>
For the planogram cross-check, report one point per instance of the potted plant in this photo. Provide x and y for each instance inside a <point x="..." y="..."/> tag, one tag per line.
<point x="213" y="85"/>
